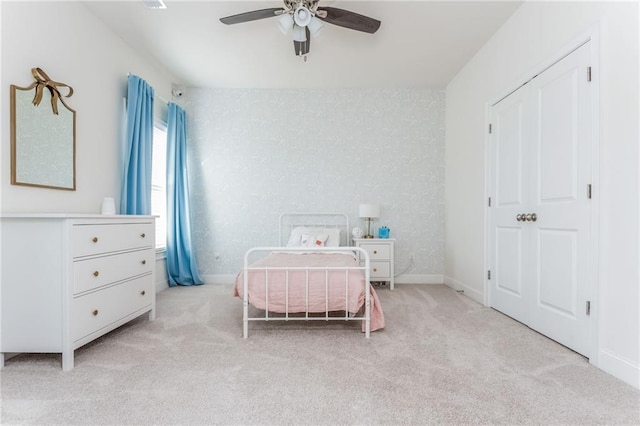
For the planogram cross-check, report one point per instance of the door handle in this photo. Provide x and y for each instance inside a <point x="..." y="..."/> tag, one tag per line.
<point x="528" y="217"/>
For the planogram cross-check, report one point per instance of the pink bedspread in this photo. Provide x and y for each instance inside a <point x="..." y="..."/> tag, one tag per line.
<point x="337" y="298"/>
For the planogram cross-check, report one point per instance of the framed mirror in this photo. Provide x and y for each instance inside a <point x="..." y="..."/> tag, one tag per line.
<point x="43" y="135"/>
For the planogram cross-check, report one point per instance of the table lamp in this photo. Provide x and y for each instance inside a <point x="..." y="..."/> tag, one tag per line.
<point x="369" y="212"/>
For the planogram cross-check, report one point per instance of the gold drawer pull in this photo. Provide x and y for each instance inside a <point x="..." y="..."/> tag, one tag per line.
<point x="143" y="292"/>
<point x="95" y="312"/>
<point x="144" y="262"/>
<point x="143" y="235"/>
<point x="375" y="269"/>
<point x="375" y="252"/>
<point x="96" y="273"/>
<point x="94" y="239"/>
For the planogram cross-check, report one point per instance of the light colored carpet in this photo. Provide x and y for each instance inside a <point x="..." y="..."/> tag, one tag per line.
<point x="443" y="359"/>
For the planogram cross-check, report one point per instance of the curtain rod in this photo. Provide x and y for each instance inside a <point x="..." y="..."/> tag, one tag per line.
<point x="155" y="93"/>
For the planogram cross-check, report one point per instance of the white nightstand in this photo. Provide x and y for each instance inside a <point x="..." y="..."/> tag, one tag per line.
<point x="380" y="256"/>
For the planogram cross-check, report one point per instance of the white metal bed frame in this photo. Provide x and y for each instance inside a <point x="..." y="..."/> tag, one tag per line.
<point x="288" y="221"/>
<point x="303" y="219"/>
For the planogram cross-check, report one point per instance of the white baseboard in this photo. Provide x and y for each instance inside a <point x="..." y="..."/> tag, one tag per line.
<point x="470" y="292"/>
<point x="161" y="285"/>
<point x="619" y="367"/>
<point x="419" y="279"/>
<point x="219" y="278"/>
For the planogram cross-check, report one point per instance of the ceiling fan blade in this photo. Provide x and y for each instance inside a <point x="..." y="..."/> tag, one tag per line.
<point x="351" y="20"/>
<point x="302" y="47"/>
<point x="251" y="16"/>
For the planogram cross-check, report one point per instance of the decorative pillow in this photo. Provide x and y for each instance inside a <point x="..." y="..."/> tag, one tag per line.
<point x="295" y="239"/>
<point x="320" y="240"/>
<point x="303" y="236"/>
<point x="306" y="240"/>
<point x="334" y="236"/>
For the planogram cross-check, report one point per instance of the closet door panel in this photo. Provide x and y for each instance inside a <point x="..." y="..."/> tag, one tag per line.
<point x="508" y="271"/>
<point x="509" y="149"/>
<point x="558" y="282"/>
<point x="558" y="138"/>
<point x="509" y="180"/>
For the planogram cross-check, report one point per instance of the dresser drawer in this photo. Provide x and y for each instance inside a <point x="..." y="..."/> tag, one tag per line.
<point x="94" y="311"/>
<point x="380" y="270"/>
<point x="377" y="251"/>
<point x="95" y="272"/>
<point x="87" y="240"/>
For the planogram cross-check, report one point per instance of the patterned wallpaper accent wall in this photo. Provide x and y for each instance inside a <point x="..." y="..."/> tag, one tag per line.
<point x="257" y="153"/>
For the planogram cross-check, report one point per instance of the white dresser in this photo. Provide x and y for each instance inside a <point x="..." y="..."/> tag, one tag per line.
<point x="68" y="279"/>
<point x="381" y="255"/>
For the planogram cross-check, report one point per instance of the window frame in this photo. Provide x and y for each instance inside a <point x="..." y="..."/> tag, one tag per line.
<point x="160" y="125"/>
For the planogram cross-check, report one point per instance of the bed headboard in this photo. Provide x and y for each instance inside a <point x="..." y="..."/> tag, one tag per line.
<point x="289" y="221"/>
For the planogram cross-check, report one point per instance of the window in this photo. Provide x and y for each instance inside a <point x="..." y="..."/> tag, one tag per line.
<point x="159" y="183"/>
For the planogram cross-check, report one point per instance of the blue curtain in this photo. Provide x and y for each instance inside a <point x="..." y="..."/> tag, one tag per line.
<point x="181" y="262"/>
<point x="136" y="188"/>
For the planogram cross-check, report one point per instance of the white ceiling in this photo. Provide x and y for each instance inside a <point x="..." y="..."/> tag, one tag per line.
<point x="419" y="44"/>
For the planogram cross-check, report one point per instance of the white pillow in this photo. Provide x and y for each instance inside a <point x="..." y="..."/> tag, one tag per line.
<point x="331" y="236"/>
<point x="303" y="236"/>
<point x="319" y="240"/>
<point x="334" y="236"/>
<point x="295" y="239"/>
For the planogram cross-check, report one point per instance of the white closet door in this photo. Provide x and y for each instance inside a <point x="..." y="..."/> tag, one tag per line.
<point x="510" y="181"/>
<point x="560" y="175"/>
<point x="541" y="165"/>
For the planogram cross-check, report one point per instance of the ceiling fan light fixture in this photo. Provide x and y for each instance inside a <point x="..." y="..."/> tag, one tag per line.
<point x="285" y="23"/>
<point x="154" y="4"/>
<point x="299" y="34"/>
<point x="315" y="26"/>
<point x="302" y="16"/>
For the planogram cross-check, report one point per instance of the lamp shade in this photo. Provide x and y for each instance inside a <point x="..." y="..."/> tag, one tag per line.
<point x="299" y="33"/>
<point x="285" y="23"/>
<point x="315" y="25"/>
<point x="369" y="210"/>
<point x="302" y="16"/>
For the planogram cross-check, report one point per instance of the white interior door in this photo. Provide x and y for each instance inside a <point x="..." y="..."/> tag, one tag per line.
<point x="540" y="263"/>
<point x="509" y="182"/>
<point x="560" y="176"/>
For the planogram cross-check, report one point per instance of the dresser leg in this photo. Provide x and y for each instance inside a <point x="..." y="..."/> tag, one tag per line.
<point x="1" y="360"/>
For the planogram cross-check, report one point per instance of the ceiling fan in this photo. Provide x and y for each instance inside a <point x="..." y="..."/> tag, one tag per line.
<point x="304" y="18"/>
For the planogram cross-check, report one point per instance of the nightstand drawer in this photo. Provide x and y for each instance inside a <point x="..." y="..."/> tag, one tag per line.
<point x="380" y="270"/>
<point x="381" y="258"/>
<point x="377" y="251"/>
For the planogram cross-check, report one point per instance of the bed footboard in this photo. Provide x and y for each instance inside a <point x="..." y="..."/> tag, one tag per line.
<point x="293" y="288"/>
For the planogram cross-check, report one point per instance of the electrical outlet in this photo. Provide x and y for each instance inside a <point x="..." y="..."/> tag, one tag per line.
<point x="217" y="257"/>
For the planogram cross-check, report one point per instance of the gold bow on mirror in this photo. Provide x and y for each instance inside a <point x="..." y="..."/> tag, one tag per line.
<point x="42" y="81"/>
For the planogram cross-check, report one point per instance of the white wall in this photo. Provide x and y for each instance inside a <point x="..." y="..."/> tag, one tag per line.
<point x="537" y="32"/>
<point x="259" y="153"/>
<point x="74" y="47"/>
